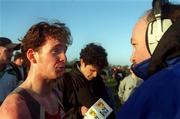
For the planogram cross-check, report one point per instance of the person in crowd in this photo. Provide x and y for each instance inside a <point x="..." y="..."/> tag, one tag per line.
<point x="18" y="64"/>
<point x="8" y="76"/>
<point x="127" y="86"/>
<point x="119" y="75"/>
<point x="83" y="85"/>
<point x="104" y="77"/>
<point x="44" y="49"/>
<point x="18" y="59"/>
<point x="156" y="55"/>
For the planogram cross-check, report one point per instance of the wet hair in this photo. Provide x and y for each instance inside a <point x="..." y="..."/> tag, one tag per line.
<point x="37" y="35"/>
<point x="95" y="55"/>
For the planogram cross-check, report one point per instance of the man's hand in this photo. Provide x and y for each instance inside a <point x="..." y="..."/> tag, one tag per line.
<point x="84" y="110"/>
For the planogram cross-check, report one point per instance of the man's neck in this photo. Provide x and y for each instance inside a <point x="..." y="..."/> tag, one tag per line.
<point x="42" y="88"/>
<point x="37" y="84"/>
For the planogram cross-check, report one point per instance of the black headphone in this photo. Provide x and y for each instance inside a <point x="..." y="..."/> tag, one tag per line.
<point x="158" y="27"/>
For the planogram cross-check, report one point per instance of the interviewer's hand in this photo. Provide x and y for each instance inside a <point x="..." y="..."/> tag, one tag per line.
<point x="84" y="110"/>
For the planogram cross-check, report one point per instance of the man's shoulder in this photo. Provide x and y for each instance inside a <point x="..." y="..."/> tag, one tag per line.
<point x="127" y="78"/>
<point x="14" y="98"/>
<point x="169" y="74"/>
<point x="12" y="105"/>
<point x="67" y="80"/>
<point x="165" y="80"/>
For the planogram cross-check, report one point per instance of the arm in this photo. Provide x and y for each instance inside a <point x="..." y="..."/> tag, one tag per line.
<point x="14" y="107"/>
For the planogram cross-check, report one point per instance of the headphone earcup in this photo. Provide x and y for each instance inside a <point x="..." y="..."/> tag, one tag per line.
<point x="154" y="33"/>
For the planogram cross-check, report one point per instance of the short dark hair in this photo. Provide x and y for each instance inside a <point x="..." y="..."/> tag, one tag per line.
<point x="37" y="34"/>
<point x="17" y="55"/>
<point x="95" y="55"/>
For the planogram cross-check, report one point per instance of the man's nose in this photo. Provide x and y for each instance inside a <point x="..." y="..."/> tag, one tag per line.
<point x="62" y="57"/>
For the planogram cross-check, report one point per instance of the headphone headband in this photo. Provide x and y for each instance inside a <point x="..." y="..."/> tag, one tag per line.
<point x="158" y="27"/>
<point x="157" y="8"/>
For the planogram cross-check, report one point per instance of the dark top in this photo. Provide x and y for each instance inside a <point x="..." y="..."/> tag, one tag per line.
<point x="78" y="92"/>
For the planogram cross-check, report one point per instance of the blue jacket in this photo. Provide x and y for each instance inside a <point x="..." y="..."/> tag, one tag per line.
<point x="158" y="97"/>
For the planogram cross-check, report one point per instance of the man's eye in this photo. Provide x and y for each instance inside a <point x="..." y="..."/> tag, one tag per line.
<point x="134" y="44"/>
<point x="55" y="51"/>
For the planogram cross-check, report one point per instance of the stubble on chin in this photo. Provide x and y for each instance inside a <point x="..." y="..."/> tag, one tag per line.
<point x="60" y="74"/>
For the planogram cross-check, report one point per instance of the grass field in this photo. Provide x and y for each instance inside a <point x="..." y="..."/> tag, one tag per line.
<point x="111" y="83"/>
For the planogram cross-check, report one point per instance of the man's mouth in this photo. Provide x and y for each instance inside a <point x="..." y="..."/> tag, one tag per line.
<point x="60" y="68"/>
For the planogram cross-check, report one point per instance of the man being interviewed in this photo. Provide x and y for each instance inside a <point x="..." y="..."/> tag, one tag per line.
<point x="44" y="47"/>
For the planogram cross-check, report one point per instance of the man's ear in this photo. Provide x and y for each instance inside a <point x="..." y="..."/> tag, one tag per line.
<point x="82" y="62"/>
<point x="1" y="49"/>
<point x="31" y="56"/>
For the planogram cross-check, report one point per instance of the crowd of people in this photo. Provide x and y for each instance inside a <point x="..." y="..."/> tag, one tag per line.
<point x="34" y="83"/>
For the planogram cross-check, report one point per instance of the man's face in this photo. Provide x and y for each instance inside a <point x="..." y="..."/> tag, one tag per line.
<point x="51" y="59"/>
<point x="138" y="40"/>
<point x="5" y="55"/>
<point x="89" y="71"/>
<point x="19" y="61"/>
